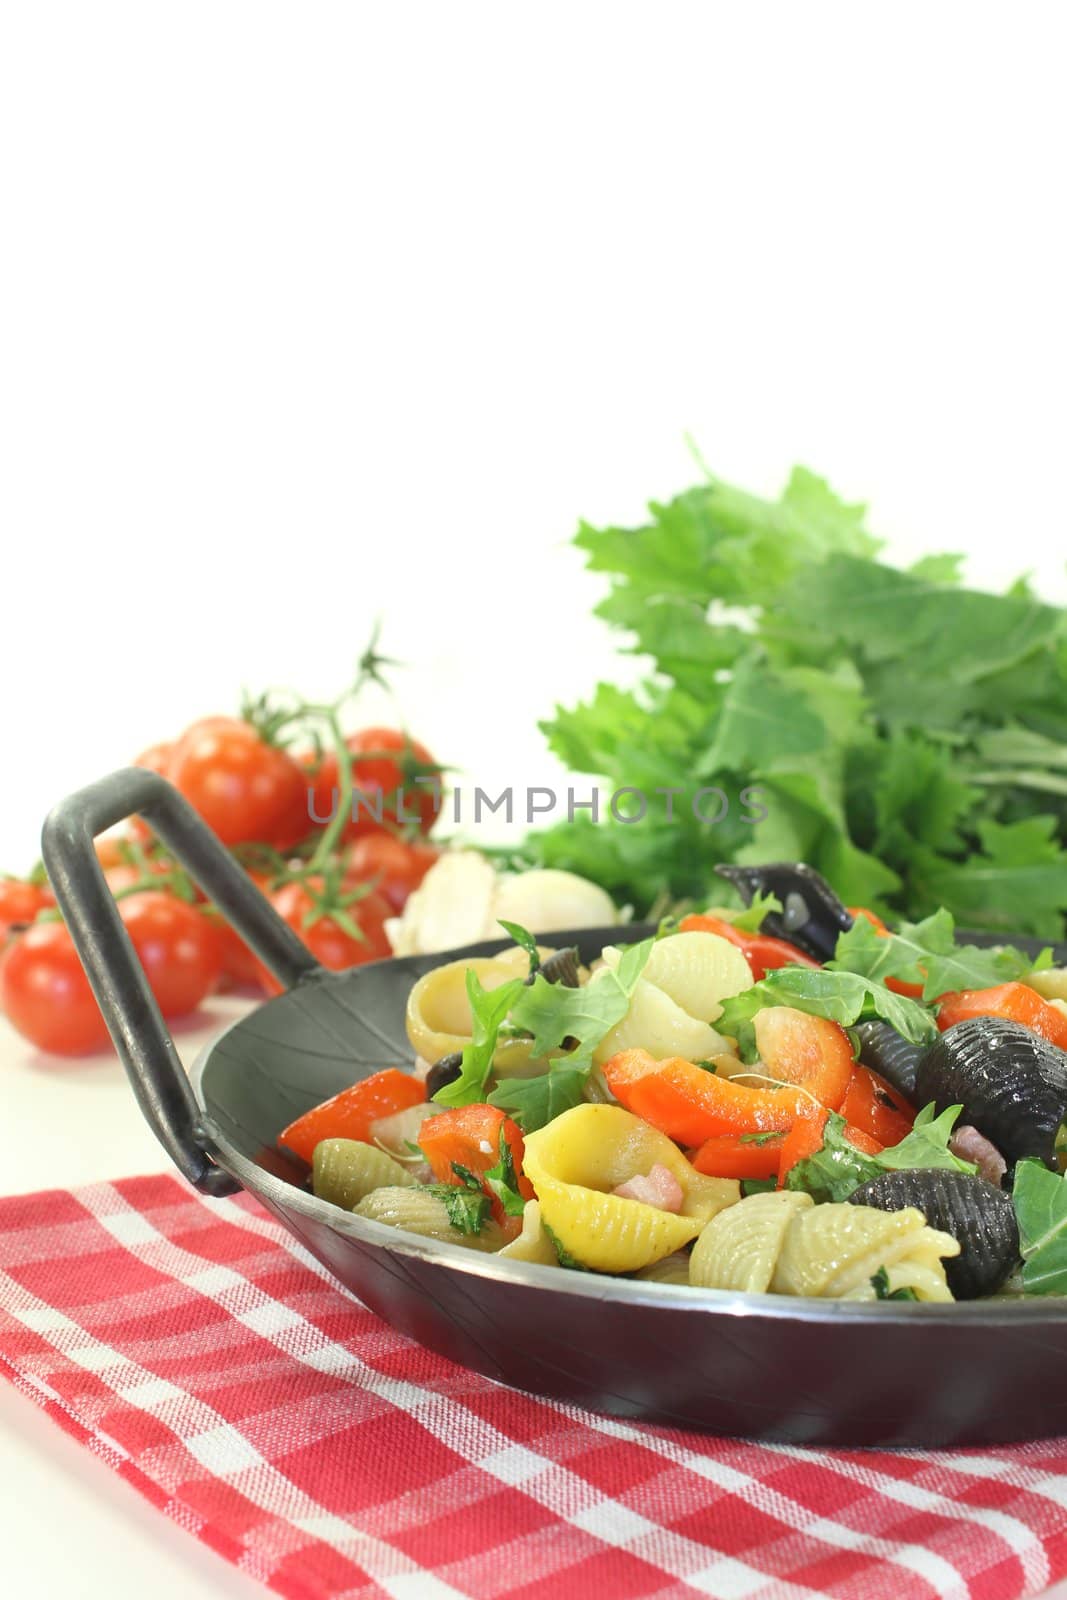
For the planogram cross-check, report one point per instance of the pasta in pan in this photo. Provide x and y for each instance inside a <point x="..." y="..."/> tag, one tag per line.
<point x="697" y="970"/>
<point x="667" y="1115"/>
<point x="532" y="1243"/>
<point x="785" y="1243"/>
<point x="438" y="1017"/>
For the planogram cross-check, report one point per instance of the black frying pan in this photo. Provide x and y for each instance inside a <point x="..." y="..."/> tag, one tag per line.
<point x="804" y="1371"/>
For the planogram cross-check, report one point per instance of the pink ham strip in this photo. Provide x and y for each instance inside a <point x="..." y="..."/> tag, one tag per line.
<point x="660" y="1189"/>
<point x="970" y="1145"/>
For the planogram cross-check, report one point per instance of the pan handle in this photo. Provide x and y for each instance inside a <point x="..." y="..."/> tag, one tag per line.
<point x="134" y="1021"/>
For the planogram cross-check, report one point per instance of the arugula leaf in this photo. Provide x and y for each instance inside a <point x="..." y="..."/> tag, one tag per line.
<point x="927" y="1144"/>
<point x="1040" y="1199"/>
<point x="926" y="952"/>
<point x="757" y="1186"/>
<point x="532" y="1102"/>
<point x="524" y="939"/>
<point x="489" y="1010"/>
<point x="882" y="1291"/>
<point x="503" y="1181"/>
<point x="842" y="997"/>
<point x="552" y="1014"/>
<point x="838" y="1168"/>
<point x="466" y="1210"/>
<point x="563" y="1256"/>
<point x="834" y="1171"/>
<point x="907" y="733"/>
<point x="750" y="918"/>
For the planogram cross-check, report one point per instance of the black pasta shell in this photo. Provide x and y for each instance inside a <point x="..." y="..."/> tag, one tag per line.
<point x="443" y="1072"/>
<point x="811" y="917"/>
<point x="561" y="968"/>
<point x="975" y="1212"/>
<point x="1011" y="1083"/>
<point x="884" y="1050"/>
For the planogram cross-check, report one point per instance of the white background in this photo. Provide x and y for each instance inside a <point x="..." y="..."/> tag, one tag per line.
<point x="314" y="313"/>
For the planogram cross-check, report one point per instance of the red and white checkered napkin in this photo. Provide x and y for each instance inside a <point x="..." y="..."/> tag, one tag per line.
<point x="197" y="1348"/>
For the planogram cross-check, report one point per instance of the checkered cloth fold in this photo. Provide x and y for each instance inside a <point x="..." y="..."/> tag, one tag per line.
<point x="197" y="1349"/>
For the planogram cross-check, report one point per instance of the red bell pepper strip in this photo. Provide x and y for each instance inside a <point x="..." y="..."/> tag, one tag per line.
<point x="690" y="1104"/>
<point x="762" y="952"/>
<point x="349" y="1115"/>
<point x="1015" y="1002"/>
<point x="740" y="1155"/>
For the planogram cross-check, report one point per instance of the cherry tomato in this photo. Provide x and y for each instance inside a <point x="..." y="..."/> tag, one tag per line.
<point x="125" y="873"/>
<point x="394" y="866"/>
<point x="177" y="946"/>
<point x="760" y="950"/>
<point x="329" y="942"/>
<point x="811" y="1052"/>
<point x="240" y="967"/>
<point x="19" y="904"/>
<point x="46" y="994"/>
<point x="110" y="851"/>
<point x="157" y="759"/>
<point x="386" y="768"/>
<point x="247" y="790"/>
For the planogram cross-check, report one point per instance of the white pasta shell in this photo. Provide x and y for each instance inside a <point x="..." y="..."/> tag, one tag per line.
<point x="345" y="1171"/>
<point x="400" y="1129"/>
<point x="739" y="1248"/>
<point x="833" y="1251"/>
<point x="656" y="1023"/>
<point x="416" y="1210"/>
<point x="1052" y="983"/>
<point x="532" y="1243"/>
<point x="698" y="971"/>
<point x="546" y="899"/>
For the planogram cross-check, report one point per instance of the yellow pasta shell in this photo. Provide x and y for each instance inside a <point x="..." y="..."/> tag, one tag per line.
<point x="438" y="1018"/>
<point x="739" y="1248"/>
<point x="581" y="1156"/>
